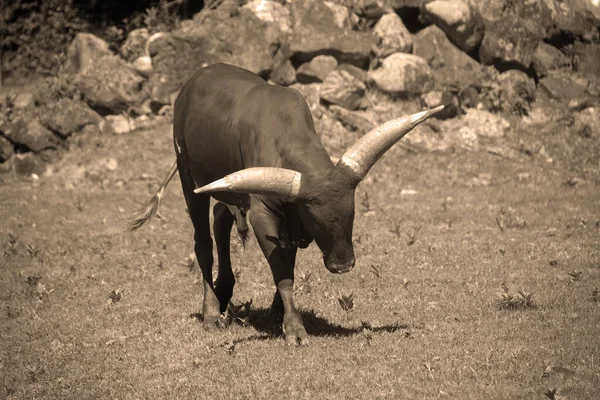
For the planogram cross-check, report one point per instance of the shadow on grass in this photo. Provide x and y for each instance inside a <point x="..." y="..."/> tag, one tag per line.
<point x="264" y="321"/>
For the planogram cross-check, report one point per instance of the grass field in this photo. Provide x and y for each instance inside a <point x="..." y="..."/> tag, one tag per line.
<point x="477" y="278"/>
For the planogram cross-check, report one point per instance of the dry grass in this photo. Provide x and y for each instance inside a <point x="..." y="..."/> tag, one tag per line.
<point x="89" y="311"/>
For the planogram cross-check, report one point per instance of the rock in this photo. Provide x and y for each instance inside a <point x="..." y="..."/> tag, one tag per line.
<point x="457" y="20"/>
<point x="355" y="121"/>
<point x="356" y="72"/>
<point x="315" y="33"/>
<point x="214" y="36"/>
<point x="6" y="149"/>
<point x="310" y="92"/>
<point x="316" y="70"/>
<point x="451" y="66"/>
<point x="143" y="66"/>
<point x="343" y="89"/>
<point x="271" y="12"/>
<point x="436" y="98"/>
<point x="85" y="51"/>
<point x="23" y="100"/>
<point x="508" y="44"/>
<point x="343" y="17"/>
<point x="116" y="124"/>
<point x="28" y="164"/>
<point x="587" y="61"/>
<point x="28" y="131"/>
<point x="517" y="91"/>
<point x="403" y="74"/>
<point x="284" y="74"/>
<point x="562" y="86"/>
<point x="111" y="86"/>
<point x="484" y="124"/>
<point x="371" y="9"/>
<point x="69" y="116"/>
<point x="135" y="44"/>
<point x="392" y="36"/>
<point x="548" y="58"/>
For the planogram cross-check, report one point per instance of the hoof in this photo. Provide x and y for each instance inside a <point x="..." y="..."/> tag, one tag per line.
<point x="212" y="323"/>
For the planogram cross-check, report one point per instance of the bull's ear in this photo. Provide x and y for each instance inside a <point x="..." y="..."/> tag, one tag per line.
<point x="363" y="154"/>
<point x="266" y="181"/>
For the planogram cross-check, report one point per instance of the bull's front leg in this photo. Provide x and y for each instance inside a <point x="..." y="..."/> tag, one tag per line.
<point x="282" y="262"/>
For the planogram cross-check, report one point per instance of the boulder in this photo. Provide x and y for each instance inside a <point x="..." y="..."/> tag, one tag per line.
<point x="316" y="70"/>
<point x="271" y="12"/>
<point x="354" y="121"/>
<point x="28" y="164"/>
<point x="315" y="33"/>
<point x="28" y="131"/>
<point x="343" y="89"/>
<point x="437" y="98"/>
<point x="116" y="124"/>
<point x="392" y="36"/>
<point x="6" y="149"/>
<point x="562" y="86"/>
<point x="135" y="44"/>
<point x="343" y="17"/>
<point x="451" y="66"/>
<point x="370" y="9"/>
<point x="85" y="51"/>
<point x="356" y="72"/>
<point x="548" y="58"/>
<point x="587" y="61"/>
<point x="214" y="36"/>
<point x="111" y="86"/>
<point x="403" y="74"/>
<point x="23" y="100"/>
<point x="283" y="73"/>
<point x="508" y="44"/>
<point x="517" y="91"/>
<point x="67" y="117"/>
<point x="457" y="20"/>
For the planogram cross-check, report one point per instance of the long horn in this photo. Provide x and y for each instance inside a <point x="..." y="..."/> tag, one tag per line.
<point x="265" y="181"/>
<point x="363" y="154"/>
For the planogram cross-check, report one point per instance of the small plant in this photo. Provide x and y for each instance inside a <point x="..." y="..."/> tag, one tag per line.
<point x="412" y="236"/>
<point x="33" y="251"/>
<point x="396" y="231"/>
<point x="235" y="313"/>
<point x="574" y="276"/>
<point x="347" y="302"/>
<point x="367" y="331"/>
<point x="303" y="283"/>
<point x="365" y="203"/>
<point x="596" y="295"/>
<point x="13" y="243"/>
<point x="510" y="301"/>
<point x="116" y="295"/>
<point x="376" y="270"/>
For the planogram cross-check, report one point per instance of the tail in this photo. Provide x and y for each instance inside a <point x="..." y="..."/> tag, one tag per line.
<point x="141" y="217"/>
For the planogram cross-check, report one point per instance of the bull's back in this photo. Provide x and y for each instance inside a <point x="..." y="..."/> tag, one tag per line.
<point x="203" y="123"/>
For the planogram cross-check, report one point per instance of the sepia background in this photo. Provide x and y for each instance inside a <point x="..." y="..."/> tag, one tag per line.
<point x="477" y="237"/>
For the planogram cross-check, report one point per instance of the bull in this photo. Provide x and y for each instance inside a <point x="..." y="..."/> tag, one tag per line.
<point x="252" y="146"/>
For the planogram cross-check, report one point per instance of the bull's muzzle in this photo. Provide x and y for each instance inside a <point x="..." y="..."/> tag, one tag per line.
<point x="339" y="267"/>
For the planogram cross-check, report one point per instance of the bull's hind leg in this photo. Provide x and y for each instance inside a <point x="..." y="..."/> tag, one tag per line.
<point x="199" y="209"/>
<point x="222" y="230"/>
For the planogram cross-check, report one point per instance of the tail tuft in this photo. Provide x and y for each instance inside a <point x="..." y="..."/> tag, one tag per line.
<point x="141" y="217"/>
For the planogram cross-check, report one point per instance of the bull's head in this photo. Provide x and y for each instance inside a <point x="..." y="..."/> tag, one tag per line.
<point x="326" y="200"/>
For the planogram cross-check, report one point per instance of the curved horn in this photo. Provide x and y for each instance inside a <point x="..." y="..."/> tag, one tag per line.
<point x="265" y="181"/>
<point x="363" y="154"/>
